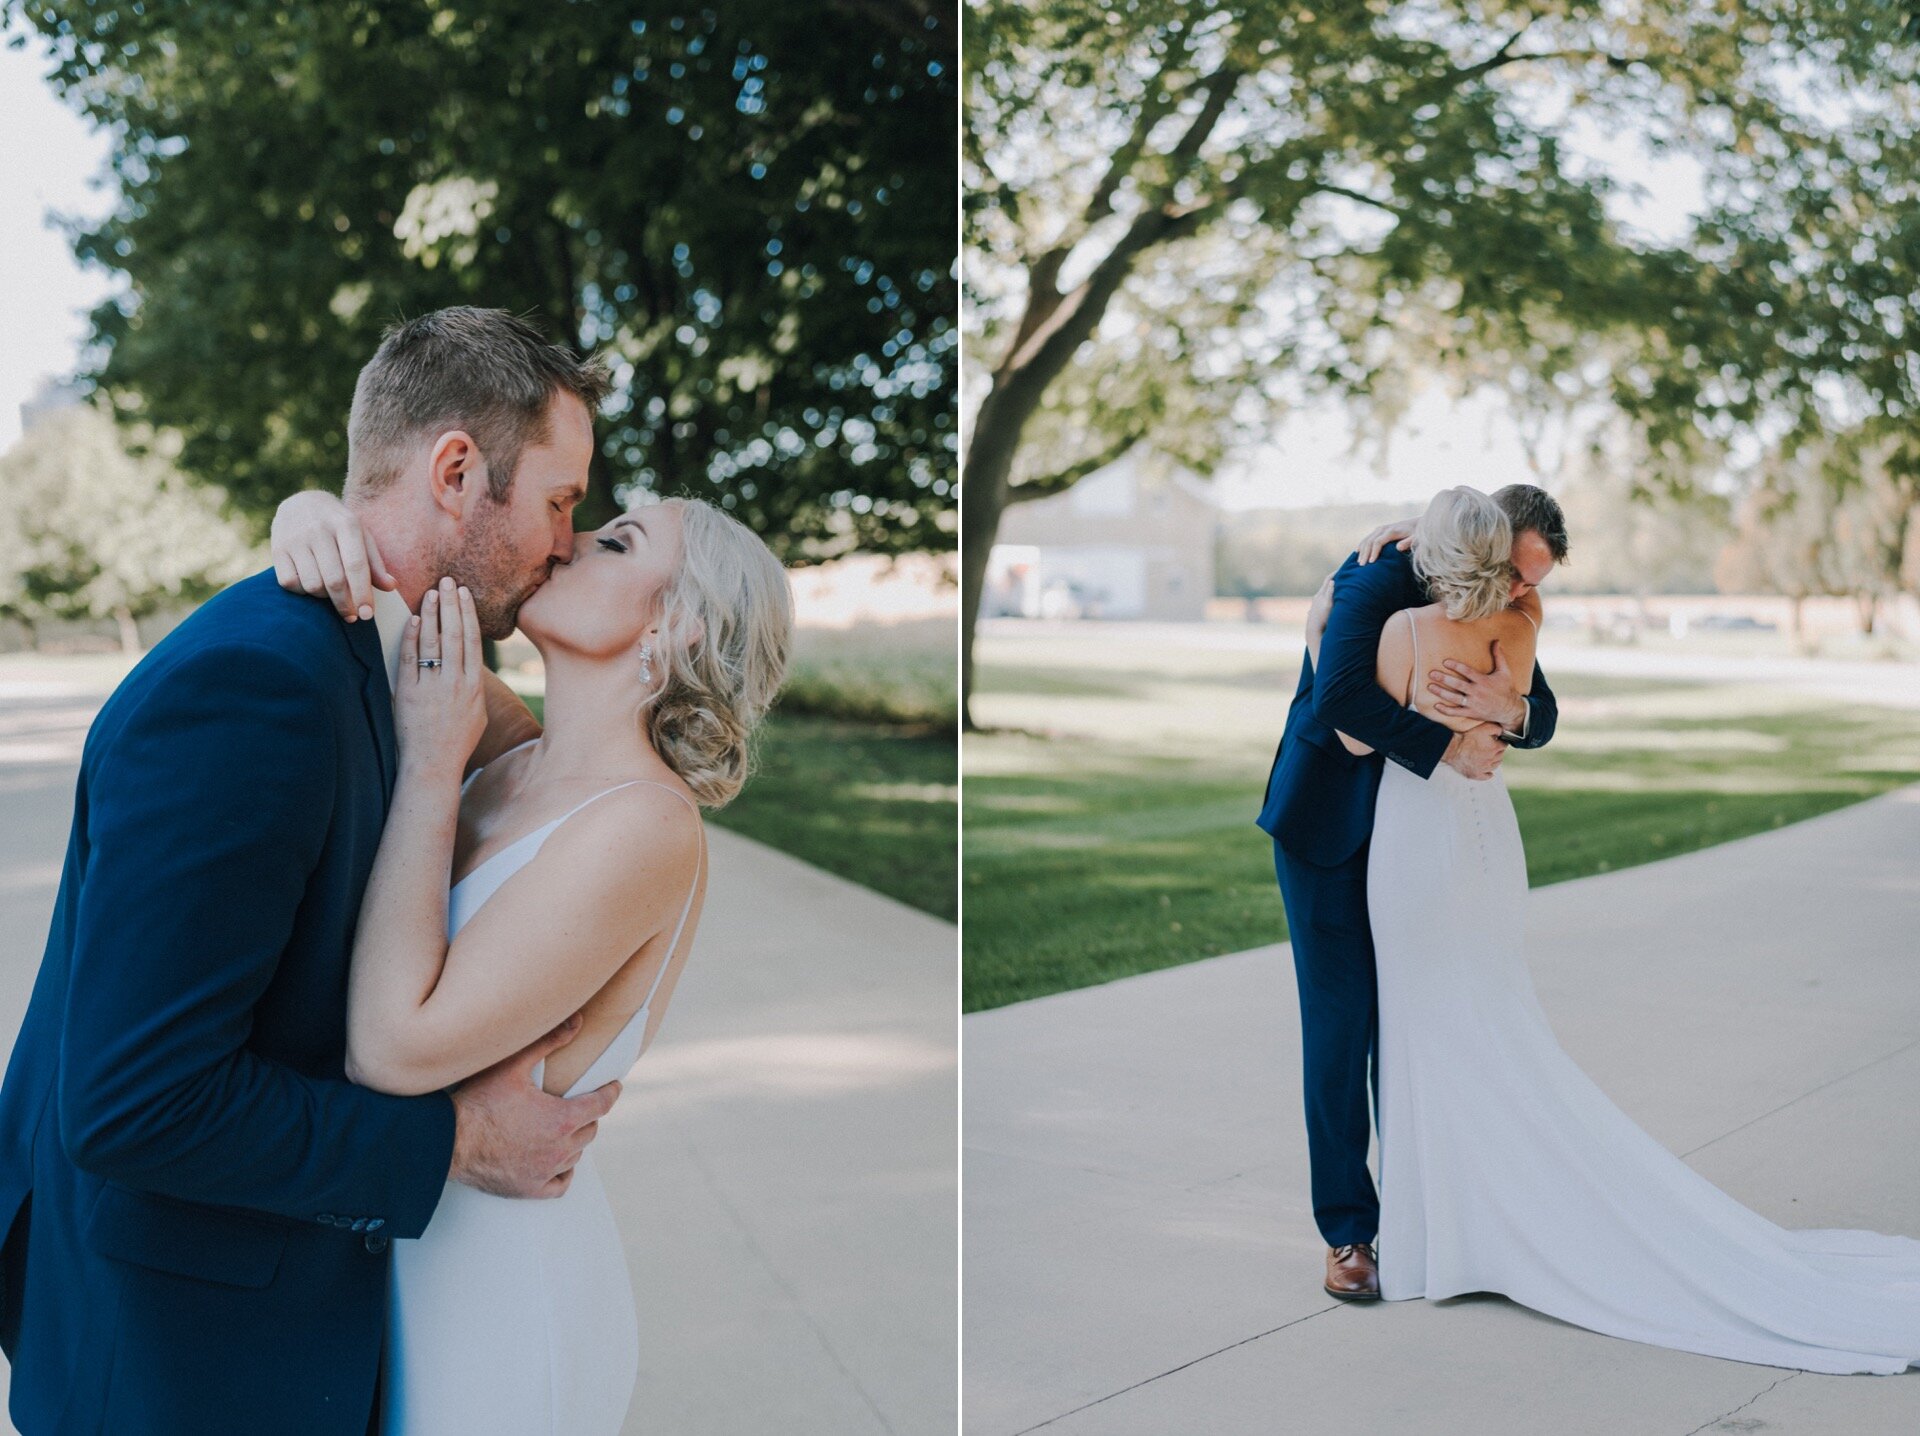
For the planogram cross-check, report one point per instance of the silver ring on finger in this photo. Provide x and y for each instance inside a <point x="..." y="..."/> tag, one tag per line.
<point x="426" y="662"/>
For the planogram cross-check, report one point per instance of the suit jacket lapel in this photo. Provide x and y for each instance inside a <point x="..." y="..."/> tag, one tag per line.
<point x="377" y="695"/>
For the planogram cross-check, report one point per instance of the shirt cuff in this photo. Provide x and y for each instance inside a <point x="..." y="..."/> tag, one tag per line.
<point x="1526" y="720"/>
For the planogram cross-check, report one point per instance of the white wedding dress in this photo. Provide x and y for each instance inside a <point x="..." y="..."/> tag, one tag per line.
<point x="1503" y="1168"/>
<point x="515" y="1317"/>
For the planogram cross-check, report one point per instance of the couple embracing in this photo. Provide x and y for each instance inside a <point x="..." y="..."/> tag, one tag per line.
<point x="350" y="953"/>
<point x="1503" y="1168"/>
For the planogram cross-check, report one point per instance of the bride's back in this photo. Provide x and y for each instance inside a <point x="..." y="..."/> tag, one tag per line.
<point x="491" y="806"/>
<point x="1418" y="641"/>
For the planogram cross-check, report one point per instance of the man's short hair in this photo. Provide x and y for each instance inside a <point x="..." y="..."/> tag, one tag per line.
<point x="482" y="370"/>
<point x="1528" y="506"/>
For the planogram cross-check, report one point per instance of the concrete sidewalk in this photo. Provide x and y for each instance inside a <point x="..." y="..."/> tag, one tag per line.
<point x="782" y="1161"/>
<point x="1141" y="1257"/>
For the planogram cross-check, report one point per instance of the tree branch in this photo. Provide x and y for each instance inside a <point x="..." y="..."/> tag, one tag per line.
<point x="1043" y="282"/>
<point x="1506" y="55"/>
<point x="1060" y="480"/>
<point x="1154" y="107"/>
<point x="1054" y="324"/>
<point x="1400" y="211"/>
<point x="1219" y="87"/>
<point x="1047" y="346"/>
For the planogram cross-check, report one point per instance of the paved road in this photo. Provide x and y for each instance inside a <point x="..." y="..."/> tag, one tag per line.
<point x="1140" y="1256"/>
<point x="783" y="1161"/>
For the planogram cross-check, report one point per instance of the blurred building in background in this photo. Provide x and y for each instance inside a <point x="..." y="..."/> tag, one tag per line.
<point x="1134" y="540"/>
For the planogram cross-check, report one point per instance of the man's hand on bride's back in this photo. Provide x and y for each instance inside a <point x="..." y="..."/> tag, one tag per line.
<point x="515" y="1140"/>
<point x="1477" y="752"/>
<point x="1463" y="692"/>
<point x="321" y="549"/>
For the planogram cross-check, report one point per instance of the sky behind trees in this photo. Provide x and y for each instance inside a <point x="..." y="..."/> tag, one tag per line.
<point x="45" y="295"/>
<point x="50" y="156"/>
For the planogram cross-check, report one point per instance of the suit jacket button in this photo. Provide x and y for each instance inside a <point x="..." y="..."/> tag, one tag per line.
<point x="376" y="1243"/>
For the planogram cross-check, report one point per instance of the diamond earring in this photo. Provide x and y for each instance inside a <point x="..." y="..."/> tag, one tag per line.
<point x="646" y="663"/>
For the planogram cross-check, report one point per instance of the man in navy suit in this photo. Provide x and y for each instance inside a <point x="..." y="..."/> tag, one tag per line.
<point x="1319" y="813"/>
<point x="196" y="1206"/>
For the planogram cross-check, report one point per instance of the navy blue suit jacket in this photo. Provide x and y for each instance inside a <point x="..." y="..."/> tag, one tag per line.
<point x="1319" y="800"/>
<point x="198" y="1203"/>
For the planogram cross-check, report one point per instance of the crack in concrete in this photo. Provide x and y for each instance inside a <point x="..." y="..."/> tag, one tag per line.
<point x="1811" y="1091"/>
<point x="1744" y="1404"/>
<point x="1230" y="1346"/>
<point x="779" y="1279"/>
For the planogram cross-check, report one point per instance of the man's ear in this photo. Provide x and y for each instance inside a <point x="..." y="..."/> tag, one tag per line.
<point x="456" y="472"/>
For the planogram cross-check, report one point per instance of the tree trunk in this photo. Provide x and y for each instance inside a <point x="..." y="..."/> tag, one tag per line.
<point x="1866" y="605"/>
<point x="1052" y="327"/>
<point x="983" y="499"/>
<point x="129" y="630"/>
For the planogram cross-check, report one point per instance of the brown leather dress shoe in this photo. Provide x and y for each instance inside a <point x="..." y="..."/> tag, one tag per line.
<point x="1353" y="1272"/>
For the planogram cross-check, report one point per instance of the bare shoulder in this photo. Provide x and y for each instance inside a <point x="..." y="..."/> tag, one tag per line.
<point x="631" y="851"/>
<point x="1393" y="660"/>
<point x="1408" y="626"/>
<point x="1514" y="623"/>
<point x="643" y="818"/>
<point x="1396" y="637"/>
<point x="1517" y="632"/>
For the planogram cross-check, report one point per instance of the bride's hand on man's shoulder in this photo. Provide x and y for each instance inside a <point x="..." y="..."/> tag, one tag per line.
<point x="1319" y="607"/>
<point x="1399" y="533"/>
<point x="440" y="709"/>
<point x="320" y="548"/>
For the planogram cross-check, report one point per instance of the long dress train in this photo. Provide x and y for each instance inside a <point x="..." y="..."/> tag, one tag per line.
<point x="1503" y="1168"/>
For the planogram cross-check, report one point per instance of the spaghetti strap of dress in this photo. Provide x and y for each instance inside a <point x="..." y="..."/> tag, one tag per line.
<point x="699" y="828"/>
<point x="496" y="758"/>
<point x="699" y="861"/>
<point x="1413" y="677"/>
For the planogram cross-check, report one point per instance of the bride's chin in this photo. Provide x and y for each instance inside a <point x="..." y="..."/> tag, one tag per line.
<point x="543" y="620"/>
<point x="532" y="610"/>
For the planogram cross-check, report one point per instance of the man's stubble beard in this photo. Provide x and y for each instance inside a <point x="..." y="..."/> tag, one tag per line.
<point x="485" y="564"/>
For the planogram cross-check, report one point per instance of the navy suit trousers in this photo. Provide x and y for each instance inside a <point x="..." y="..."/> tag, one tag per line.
<point x="1339" y="1032"/>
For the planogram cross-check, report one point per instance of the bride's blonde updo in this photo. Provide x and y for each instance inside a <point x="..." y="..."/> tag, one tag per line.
<point x="1463" y="552"/>
<point x="726" y="624"/>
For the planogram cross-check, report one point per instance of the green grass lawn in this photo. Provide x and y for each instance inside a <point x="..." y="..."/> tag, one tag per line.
<point x="1109" y="820"/>
<point x="873" y="802"/>
<point x="858" y="768"/>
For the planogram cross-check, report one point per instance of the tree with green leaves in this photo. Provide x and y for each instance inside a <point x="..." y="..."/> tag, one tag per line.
<point x="1630" y="536"/>
<point x="1830" y="516"/>
<point x="1182" y="217"/>
<point x="94" y="531"/>
<point x="748" y="209"/>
